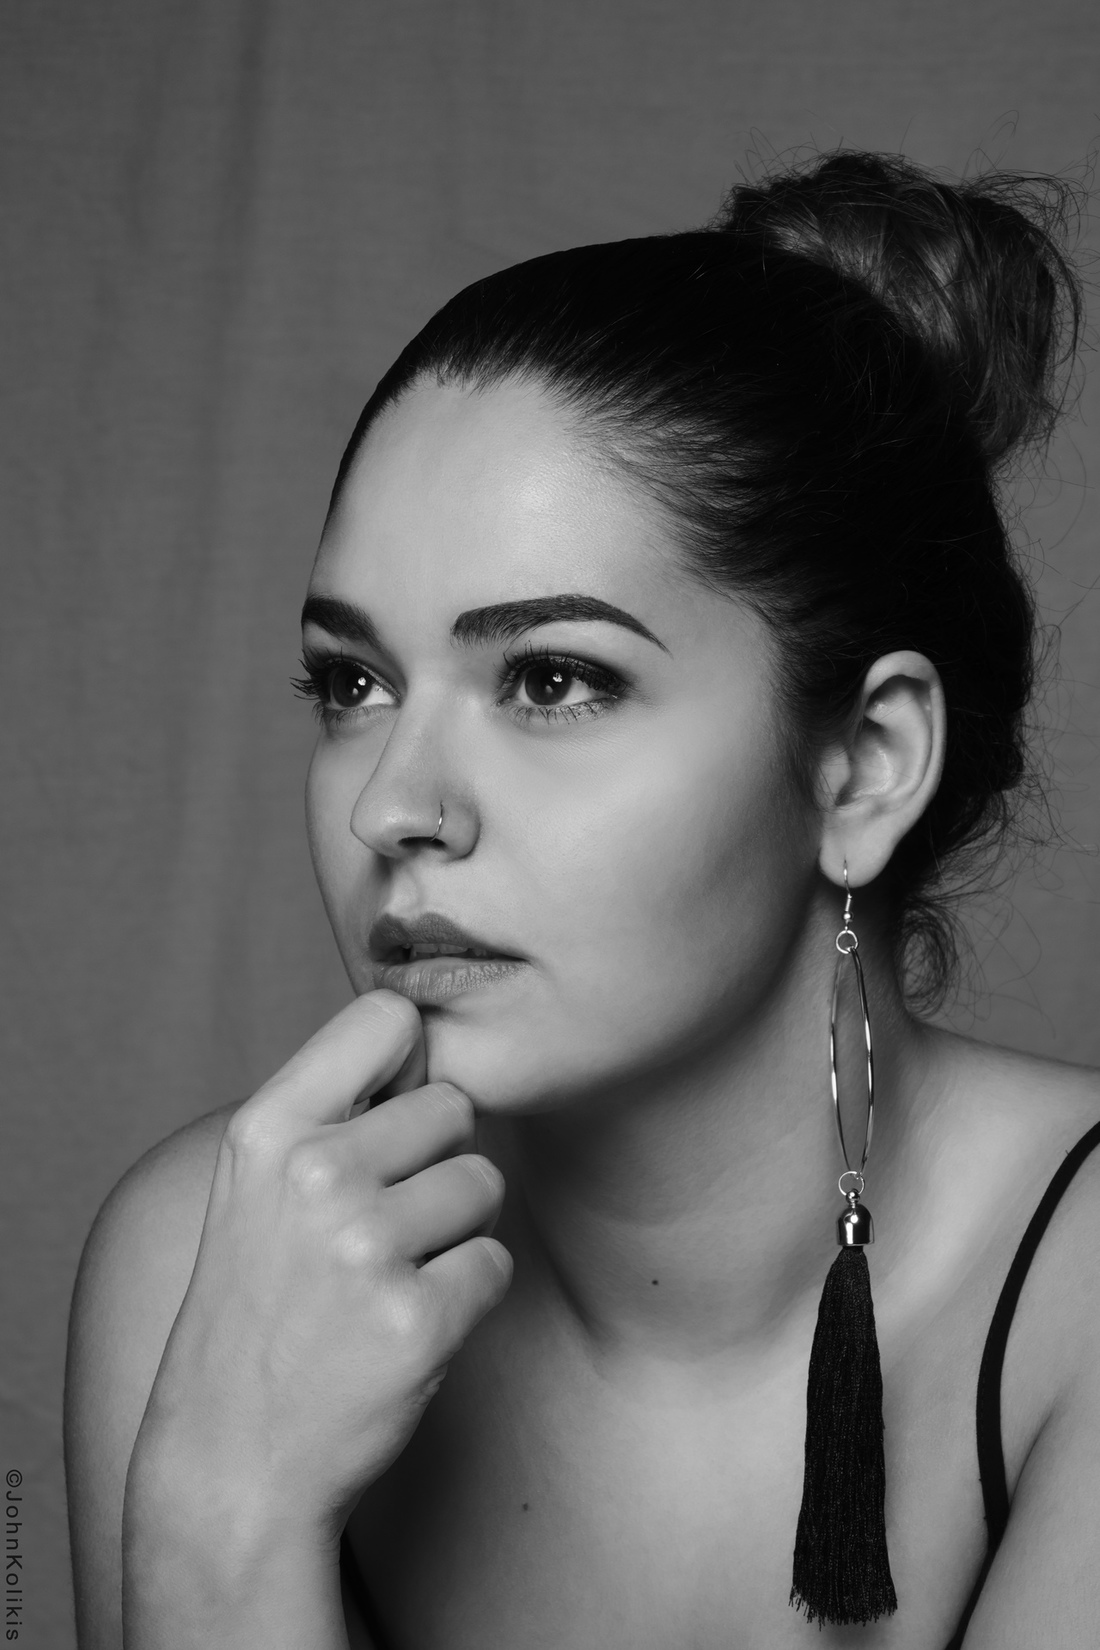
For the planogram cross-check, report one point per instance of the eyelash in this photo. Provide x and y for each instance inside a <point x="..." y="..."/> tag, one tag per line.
<point x="316" y="684"/>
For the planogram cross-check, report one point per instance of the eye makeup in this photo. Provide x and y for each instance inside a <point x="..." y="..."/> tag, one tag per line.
<point x="546" y="674"/>
<point x="340" y="686"/>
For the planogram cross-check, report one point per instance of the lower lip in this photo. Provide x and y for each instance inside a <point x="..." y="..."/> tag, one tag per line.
<point x="434" y="979"/>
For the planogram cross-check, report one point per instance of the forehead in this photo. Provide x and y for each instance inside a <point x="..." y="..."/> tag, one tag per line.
<point x="477" y="496"/>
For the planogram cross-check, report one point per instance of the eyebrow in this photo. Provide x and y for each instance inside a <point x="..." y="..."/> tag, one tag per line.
<point x="478" y="626"/>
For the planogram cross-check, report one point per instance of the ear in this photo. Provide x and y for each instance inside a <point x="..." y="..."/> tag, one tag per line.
<point x="878" y="782"/>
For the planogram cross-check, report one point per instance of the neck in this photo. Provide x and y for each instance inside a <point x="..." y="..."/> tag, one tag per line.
<point x="693" y="1213"/>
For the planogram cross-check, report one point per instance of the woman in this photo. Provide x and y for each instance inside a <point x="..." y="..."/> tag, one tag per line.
<point x="663" y="603"/>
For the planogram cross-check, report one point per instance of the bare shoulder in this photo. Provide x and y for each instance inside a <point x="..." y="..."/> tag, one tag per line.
<point x="1019" y="1120"/>
<point x="1038" y="1080"/>
<point x="997" y="1128"/>
<point x="1019" y="1109"/>
<point x="133" y="1275"/>
<point x="1056" y="1107"/>
<point x="1012" y="1119"/>
<point x="1060" y="1106"/>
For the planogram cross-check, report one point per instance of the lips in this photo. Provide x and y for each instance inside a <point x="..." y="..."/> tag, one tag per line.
<point x="430" y="959"/>
<point x="395" y="940"/>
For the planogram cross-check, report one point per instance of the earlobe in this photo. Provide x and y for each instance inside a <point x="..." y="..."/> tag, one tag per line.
<point x="891" y="767"/>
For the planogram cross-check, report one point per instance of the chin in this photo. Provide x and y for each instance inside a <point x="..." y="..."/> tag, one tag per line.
<point x="513" y="1069"/>
<point x="492" y="1066"/>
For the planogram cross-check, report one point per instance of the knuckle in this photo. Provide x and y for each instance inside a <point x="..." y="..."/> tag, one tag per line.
<point x="485" y="1172"/>
<point x="404" y="1315"/>
<point x="309" y="1171"/>
<point x="249" y="1132"/>
<point x="497" y="1265"/>
<point x="390" y="1005"/>
<point x="361" y="1246"/>
<point x="453" y="1102"/>
<point x="488" y="1278"/>
<point x="475" y="1282"/>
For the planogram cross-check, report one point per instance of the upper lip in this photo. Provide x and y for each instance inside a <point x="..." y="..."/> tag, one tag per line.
<point x="392" y="937"/>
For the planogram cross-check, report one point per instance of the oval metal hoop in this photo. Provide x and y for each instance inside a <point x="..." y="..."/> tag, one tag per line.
<point x="851" y="951"/>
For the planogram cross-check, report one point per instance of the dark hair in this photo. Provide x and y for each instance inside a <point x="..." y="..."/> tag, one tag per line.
<point x="821" y="388"/>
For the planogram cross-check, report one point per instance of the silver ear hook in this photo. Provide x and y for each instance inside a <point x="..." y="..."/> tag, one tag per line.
<point x="847" y="945"/>
<point x="439" y="827"/>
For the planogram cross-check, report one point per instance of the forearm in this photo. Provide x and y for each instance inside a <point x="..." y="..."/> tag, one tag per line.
<point x="217" y="1575"/>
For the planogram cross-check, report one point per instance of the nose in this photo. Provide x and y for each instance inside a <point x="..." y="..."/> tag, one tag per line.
<point x="411" y="802"/>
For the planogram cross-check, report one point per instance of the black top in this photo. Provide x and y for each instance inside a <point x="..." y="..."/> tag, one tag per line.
<point x="991" y="1463"/>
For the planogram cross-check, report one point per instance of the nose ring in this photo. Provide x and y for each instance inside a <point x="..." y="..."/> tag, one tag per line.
<point x="439" y="827"/>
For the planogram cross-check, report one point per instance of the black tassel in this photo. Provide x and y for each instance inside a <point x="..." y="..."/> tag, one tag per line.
<point x="841" y="1566"/>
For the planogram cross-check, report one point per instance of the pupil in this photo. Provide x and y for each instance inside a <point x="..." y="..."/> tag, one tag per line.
<point x="546" y="683"/>
<point x="348" y="685"/>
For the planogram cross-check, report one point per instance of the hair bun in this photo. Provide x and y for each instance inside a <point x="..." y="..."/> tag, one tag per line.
<point x="974" y="269"/>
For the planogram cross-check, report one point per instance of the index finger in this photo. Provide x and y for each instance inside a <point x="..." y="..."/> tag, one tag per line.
<point x="359" y="1051"/>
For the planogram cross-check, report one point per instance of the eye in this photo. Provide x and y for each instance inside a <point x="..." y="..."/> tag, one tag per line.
<point x="340" y="687"/>
<point x="349" y="684"/>
<point x="556" y="687"/>
<point x="547" y="684"/>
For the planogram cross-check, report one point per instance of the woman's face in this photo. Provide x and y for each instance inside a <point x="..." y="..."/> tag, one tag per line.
<point x="618" y="811"/>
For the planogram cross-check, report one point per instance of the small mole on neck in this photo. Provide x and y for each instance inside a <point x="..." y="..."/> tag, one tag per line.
<point x="655" y="1280"/>
<point x="527" y="1506"/>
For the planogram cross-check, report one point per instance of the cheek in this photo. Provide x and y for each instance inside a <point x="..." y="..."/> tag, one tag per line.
<point x="320" y="819"/>
<point x="677" y="868"/>
<point x="660" y="897"/>
<point x="331" y="790"/>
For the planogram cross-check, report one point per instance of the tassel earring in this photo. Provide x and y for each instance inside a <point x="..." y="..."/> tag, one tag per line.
<point x="841" y="1565"/>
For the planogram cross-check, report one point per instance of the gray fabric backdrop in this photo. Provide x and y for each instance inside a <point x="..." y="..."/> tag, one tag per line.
<point x="220" y="220"/>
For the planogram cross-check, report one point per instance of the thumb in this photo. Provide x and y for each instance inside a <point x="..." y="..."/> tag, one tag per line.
<point x="413" y="1073"/>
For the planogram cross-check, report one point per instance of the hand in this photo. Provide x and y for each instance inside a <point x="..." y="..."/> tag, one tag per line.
<point x="315" y="1327"/>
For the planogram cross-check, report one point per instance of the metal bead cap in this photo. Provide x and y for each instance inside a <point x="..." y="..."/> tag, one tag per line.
<point x="855" y="1226"/>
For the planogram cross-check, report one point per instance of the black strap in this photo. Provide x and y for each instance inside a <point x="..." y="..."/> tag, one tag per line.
<point x="991" y="1460"/>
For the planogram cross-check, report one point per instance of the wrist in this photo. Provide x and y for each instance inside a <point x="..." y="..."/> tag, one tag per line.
<point x="208" y="1489"/>
<point x="223" y="1569"/>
